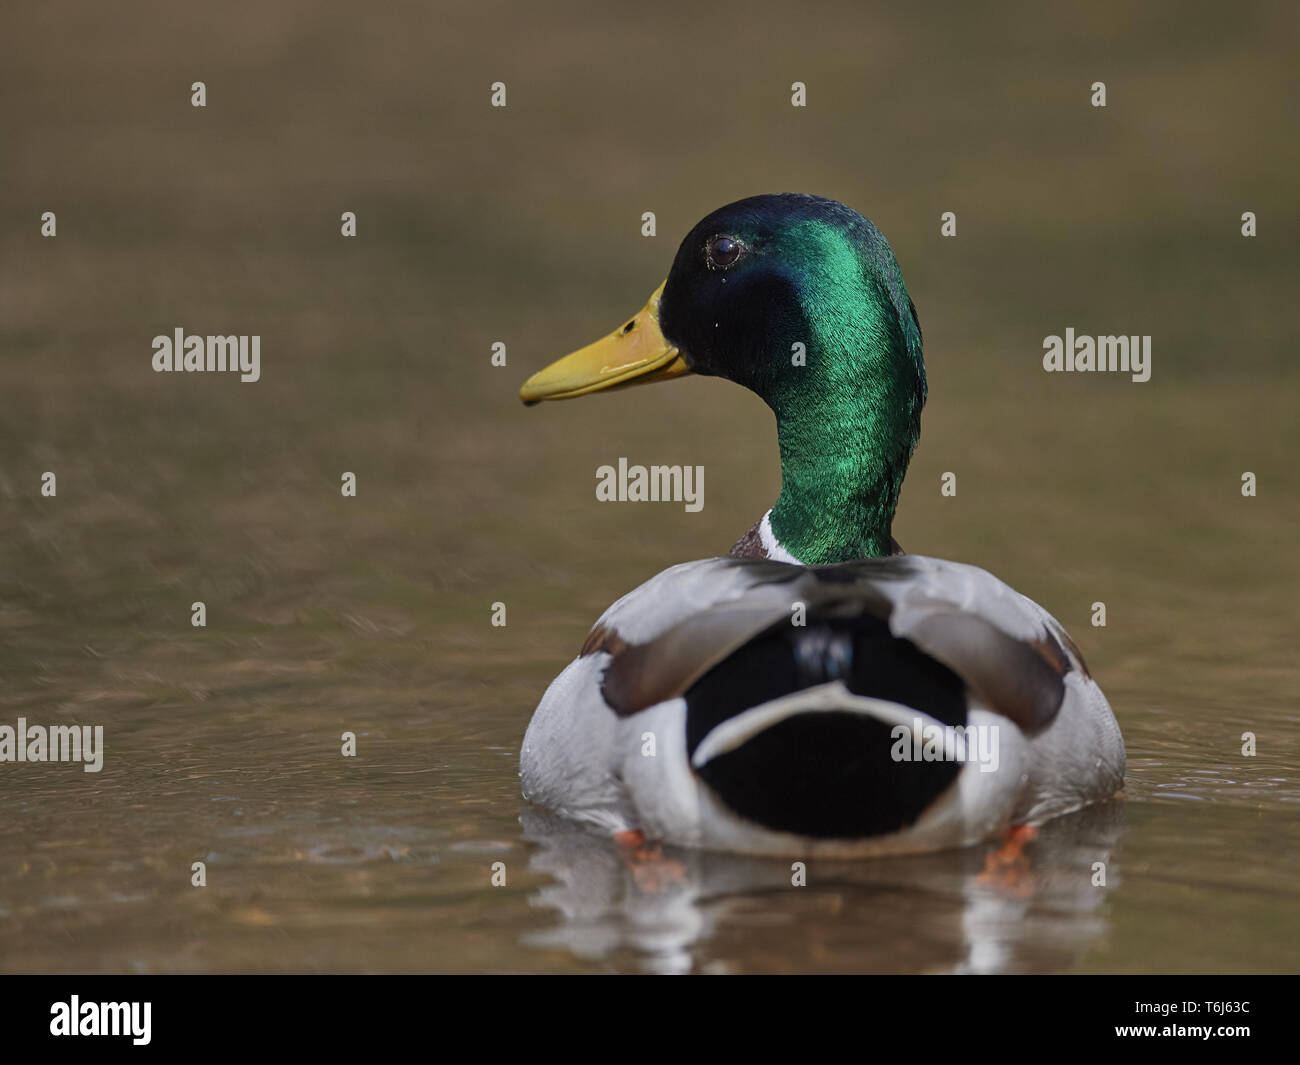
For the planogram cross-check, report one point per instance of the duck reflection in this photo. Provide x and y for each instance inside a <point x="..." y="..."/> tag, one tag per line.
<point x="1033" y="903"/>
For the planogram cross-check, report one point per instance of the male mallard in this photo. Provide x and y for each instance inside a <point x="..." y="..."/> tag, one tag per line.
<point x="817" y="692"/>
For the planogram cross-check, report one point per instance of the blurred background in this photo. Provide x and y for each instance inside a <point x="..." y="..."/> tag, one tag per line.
<point x="522" y="225"/>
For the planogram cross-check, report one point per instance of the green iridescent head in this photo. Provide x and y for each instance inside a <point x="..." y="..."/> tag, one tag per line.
<point x="759" y="276"/>
<point x="798" y="298"/>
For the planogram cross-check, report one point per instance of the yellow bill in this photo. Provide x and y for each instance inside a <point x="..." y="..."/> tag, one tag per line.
<point x="634" y="354"/>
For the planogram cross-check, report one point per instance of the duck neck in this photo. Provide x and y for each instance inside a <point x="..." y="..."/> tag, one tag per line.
<point x="840" y="479"/>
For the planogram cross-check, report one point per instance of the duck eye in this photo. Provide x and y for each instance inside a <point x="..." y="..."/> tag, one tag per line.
<point x="722" y="252"/>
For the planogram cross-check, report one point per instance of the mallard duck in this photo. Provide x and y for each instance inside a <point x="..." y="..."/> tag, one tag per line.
<point x="816" y="692"/>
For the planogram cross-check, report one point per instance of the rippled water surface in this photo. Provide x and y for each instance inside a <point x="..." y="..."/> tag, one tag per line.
<point x="372" y="615"/>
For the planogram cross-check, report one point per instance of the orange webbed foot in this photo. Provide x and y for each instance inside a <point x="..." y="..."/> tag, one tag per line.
<point x="652" y="872"/>
<point x="1007" y="866"/>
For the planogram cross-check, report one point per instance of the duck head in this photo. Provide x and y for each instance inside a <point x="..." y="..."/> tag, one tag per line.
<point x="799" y="299"/>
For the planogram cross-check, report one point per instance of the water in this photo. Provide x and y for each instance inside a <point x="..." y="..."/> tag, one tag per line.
<point x="372" y="615"/>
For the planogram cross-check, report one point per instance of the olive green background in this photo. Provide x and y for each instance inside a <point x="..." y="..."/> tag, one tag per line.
<point x="522" y="225"/>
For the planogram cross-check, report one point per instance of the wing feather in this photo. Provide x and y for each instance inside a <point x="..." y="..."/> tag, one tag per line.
<point x="665" y="635"/>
